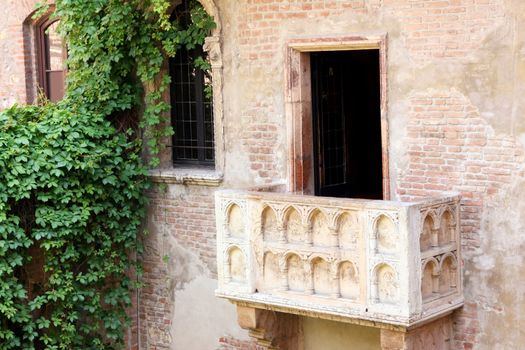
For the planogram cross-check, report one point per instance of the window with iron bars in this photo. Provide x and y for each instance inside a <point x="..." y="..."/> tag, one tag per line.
<point x="191" y="103"/>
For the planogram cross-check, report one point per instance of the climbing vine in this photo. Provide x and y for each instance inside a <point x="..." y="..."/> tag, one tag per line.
<point x="72" y="178"/>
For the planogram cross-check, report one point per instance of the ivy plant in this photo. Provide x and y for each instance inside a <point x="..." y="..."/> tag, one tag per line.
<point x="72" y="178"/>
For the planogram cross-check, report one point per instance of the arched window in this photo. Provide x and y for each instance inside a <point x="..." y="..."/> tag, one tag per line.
<point x="51" y="60"/>
<point x="191" y="101"/>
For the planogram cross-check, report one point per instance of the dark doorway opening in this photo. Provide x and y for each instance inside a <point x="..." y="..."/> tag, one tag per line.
<point x="347" y="124"/>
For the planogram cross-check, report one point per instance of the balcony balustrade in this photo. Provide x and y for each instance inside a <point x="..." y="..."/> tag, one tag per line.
<point x="350" y="260"/>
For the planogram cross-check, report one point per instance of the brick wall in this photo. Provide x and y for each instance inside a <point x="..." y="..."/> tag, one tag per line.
<point x="451" y="148"/>
<point x="17" y="69"/>
<point x="444" y="29"/>
<point x="189" y="216"/>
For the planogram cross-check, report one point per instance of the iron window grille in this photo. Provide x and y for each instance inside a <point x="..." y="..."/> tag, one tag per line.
<point x="191" y="103"/>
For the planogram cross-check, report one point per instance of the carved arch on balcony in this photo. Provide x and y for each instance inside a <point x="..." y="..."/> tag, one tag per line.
<point x="319" y="223"/>
<point x="348" y="279"/>
<point x="298" y="209"/>
<point x="447" y="229"/>
<point x="433" y="214"/>
<point x="430" y="272"/>
<point x="341" y="215"/>
<point x="278" y="208"/>
<point x="429" y="231"/>
<point x="321" y="274"/>
<point x="448" y="279"/>
<point x="385" y="284"/>
<point x="295" y="225"/>
<point x="332" y="216"/>
<point x="295" y="272"/>
<point x="236" y="268"/>
<point x="272" y="271"/>
<point x="348" y="229"/>
<point x="271" y="224"/>
<point x="235" y="214"/>
<point x="386" y="233"/>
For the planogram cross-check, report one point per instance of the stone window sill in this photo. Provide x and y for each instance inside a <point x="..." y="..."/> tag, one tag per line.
<point x="187" y="176"/>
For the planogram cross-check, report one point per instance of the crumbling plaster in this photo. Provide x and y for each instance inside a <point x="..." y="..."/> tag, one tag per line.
<point x="183" y="282"/>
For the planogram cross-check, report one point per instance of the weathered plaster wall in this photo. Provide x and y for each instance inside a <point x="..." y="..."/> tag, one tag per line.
<point x="178" y="307"/>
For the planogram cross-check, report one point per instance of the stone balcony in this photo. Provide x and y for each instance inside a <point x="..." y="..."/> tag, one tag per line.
<point x="352" y="260"/>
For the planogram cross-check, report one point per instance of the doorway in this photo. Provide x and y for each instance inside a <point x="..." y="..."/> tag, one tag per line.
<point x="346" y="124"/>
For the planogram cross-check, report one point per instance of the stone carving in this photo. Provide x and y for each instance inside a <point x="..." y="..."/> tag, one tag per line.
<point x="386" y="235"/>
<point x="294" y="228"/>
<point x="447" y="278"/>
<point x="348" y="280"/>
<point x="235" y="221"/>
<point x="296" y="280"/>
<point x="321" y="277"/>
<point x="237" y="265"/>
<point x="447" y="228"/>
<point x="271" y="271"/>
<point x="429" y="279"/>
<point x="439" y="246"/>
<point x="344" y="257"/>
<point x="320" y="231"/>
<point x="348" y="231"/>
<point x="438" y="278"/>
<point x="270" y="226"/>
<point x="425" y="241"/>
<point x="387" y="284"/>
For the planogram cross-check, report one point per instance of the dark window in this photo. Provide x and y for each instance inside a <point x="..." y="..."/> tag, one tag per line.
<point x="51" y="63"/>
<point x="191" y="102"/>
<point x="347" y="124"/>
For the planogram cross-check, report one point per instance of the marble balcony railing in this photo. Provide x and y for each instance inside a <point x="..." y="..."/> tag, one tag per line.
<point x="351" y="260"/>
